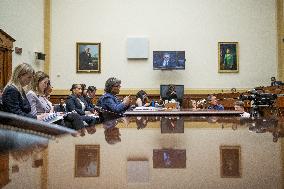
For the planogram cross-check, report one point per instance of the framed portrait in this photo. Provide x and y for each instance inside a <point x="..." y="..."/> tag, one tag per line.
<point x="88" y="57"/>
<point x="230" y="161"/>
<point x="87" y="160"/>
<point x="228" y="57"/>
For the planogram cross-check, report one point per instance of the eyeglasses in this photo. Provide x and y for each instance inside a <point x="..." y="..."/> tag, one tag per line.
<point x="117" y="86"/>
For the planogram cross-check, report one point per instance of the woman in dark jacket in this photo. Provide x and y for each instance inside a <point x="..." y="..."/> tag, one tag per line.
<point x="142" y="99"/>
<point x="109" y="100"/>
<point x="76" y="103"/>
<point x="14" y="97"/>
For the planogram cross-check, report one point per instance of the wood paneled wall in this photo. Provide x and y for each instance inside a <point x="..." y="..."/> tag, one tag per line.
<point x="226" y="99"/>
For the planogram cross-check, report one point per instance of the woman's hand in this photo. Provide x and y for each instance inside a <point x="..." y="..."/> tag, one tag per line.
<point x="126" y="100"/>
<point x="40" y="117"/>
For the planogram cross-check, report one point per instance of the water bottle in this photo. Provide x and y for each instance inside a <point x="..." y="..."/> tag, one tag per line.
<point x="153" y="103"/>
<point x="156" y="104"/>
<point x="178" y="106"/>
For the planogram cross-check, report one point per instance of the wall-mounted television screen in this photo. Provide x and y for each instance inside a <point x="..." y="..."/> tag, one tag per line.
<point x="179" y="90"/>
<point x="168" y="60"/>
<point x="169" y="158"/>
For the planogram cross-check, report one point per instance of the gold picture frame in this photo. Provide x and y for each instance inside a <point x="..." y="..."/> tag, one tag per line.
<point x="88" y="56"/>
<point x="87" y="160"/>
<point x="230" y="161"/>
<point x="228" y="57"/>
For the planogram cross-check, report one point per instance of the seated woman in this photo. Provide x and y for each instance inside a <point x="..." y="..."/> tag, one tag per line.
<point x="109" y="101"/>
<point x="14" y="98"/>
<point x="61" y="107"/>
<point x="76" y="103"/>
<point x="41" y="105"/>
<point x="36" y="96"/>
<point x="193" y="105"/>
<point x="90" y="95"/>
<point x="239" y="106"/>
<point x="142" y="99"/>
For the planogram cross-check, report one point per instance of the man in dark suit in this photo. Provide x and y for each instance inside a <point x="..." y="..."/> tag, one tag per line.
<point x="85" y="60"/>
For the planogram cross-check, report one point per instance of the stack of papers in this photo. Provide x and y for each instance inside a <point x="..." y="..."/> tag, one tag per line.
<point x="52" y="117"/>
<point x="146" y="109"/>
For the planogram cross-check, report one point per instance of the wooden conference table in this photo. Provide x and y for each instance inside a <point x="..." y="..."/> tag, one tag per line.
<point x="182" y="112"/>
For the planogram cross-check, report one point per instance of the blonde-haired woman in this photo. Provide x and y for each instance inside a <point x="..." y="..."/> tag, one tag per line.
<point x="14" y="97"/>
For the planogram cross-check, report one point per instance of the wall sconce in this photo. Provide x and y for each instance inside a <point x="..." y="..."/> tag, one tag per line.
<point x="40" y="56"/>
<point x="18" y="50"/>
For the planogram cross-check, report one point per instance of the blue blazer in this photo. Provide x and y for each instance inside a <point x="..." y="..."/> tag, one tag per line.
<point x="110" y="102"/>
<point x="73" y="103"/>
<point x="89" y="101"/>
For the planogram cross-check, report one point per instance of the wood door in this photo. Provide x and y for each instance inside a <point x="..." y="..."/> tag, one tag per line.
<point x="2" y="79"/>
<point x="6" y="49"/>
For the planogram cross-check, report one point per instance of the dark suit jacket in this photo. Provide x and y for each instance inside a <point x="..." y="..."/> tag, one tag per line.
<point x="171" y="64"/>
<point x="89" y="102"/>
<point x="85" y="59"/>
<point x="73" y="103"/>
<point x="16" y="103"/>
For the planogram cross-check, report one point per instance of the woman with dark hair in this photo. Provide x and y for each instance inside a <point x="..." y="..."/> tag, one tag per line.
<point x="90" y="95"/>
<point x="76" y="103"/>
<point x="84" y="90"/>
<point x="109" y="101"/>
<point x="240" y="106"/>
<point x="142" y="99"/>
<point x="14" y="97"/>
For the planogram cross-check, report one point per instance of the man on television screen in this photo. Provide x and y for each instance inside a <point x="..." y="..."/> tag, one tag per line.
<point x="167" y="61"/>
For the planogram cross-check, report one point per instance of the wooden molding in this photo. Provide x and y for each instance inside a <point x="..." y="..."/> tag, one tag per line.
<point x="280" y="39"/>
<point x="47" y="10"/>
<point x="155" y="91"/>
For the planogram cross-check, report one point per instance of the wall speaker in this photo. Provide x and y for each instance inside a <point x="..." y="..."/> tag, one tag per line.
<point x="40" y="56"/>
<point x="137" y="47"/>
<point x="18" y="50"/>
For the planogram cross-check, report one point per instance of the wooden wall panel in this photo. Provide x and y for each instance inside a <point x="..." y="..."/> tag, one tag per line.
<point x="4" y="169"/>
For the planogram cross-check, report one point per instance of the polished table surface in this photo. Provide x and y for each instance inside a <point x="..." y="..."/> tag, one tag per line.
<point x="149" y="151"/>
